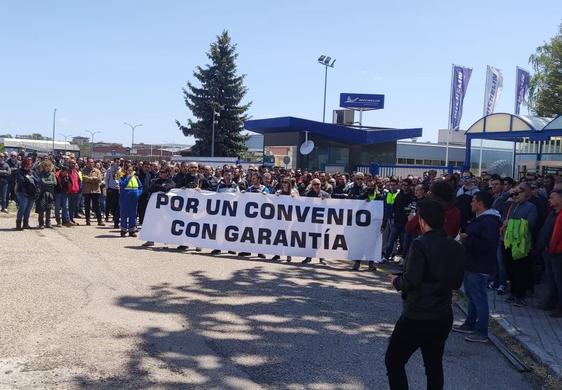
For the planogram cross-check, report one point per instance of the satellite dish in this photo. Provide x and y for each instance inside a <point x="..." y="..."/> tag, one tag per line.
<point x="306" y="147"/>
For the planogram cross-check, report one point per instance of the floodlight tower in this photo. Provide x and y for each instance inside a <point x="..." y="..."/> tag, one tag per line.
<point x="327" y="62"/>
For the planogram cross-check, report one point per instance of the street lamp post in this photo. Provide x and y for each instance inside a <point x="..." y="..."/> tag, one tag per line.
<point x="215" y="114"/>
<point x="65" y="136"/>
<point x="133" y="127"/>
<point x="92" y="134"/>
<point x="54" y="127"/>
<point x="327" y="63"/>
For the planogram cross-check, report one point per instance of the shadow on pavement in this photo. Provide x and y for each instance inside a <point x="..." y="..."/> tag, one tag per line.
<point x="288" y="328"/>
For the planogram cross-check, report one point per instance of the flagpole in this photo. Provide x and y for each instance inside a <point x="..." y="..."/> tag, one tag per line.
<point x="516" y="91"/>
<point x="484" y="113"/>
<point x="449" y="124"/>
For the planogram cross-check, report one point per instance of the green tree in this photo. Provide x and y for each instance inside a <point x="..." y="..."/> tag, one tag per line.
<point x="220" y="89"/>
<point x="545" y="90"/>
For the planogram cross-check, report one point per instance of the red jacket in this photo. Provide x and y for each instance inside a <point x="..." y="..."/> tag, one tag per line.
<point x="452" y="222"/>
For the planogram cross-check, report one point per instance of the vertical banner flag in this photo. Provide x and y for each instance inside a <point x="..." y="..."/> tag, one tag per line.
<point x="522" y="79"/>
<point x="459" y="84"/>
<point x="494" y="87"/>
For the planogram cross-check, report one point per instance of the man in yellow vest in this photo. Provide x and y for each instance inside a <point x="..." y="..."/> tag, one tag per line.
<point x="130" y="189"/>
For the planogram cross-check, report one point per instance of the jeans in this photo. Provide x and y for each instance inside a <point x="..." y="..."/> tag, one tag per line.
<point x="102" y="204"/>
<point x="12" y="191"/>
<point x="61" y="204"/>
<point x="407" y="337"/>
<point x="73" y="205"/>
<point x="475" y="288"/>
<point x="25" y="204"/>
<point x="553" y="272"/>
<point x="500" y="279"/>
<point x="396" y="230"/>
<point x="92" y="201"/>
<point x="3" y="195"/>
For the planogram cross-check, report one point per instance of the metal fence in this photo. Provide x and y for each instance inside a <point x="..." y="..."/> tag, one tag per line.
<point x="402" y="171"/>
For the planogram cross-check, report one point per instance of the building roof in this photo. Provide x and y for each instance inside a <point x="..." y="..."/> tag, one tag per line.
<point x="345" y="134"/>
<point x="510" y="127"/>
<point x="38" y="145"/>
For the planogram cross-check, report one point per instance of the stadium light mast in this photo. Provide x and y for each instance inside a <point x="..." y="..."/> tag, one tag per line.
<point x="327" y="62"/>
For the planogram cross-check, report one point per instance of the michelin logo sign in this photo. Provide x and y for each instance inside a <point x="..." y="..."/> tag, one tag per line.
<point x="361" y="101"/>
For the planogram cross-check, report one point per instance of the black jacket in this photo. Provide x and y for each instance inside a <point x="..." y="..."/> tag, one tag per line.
<point x="161" y="185"/>
<point x="434" y="267"/>
<point x="401" y="202"/>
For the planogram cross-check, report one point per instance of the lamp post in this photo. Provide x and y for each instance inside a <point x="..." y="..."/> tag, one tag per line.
<point x="327" y="62"/>
<point x="65" y="136"/>
<point x="215" y="114"/>
<point x="54" y="127"/>
<point x="133" y="127"/>
<point x="92" y="134"/>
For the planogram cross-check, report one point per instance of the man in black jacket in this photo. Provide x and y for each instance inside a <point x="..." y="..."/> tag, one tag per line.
<point x="434" y="267"/>
<point x="162" y="183"/>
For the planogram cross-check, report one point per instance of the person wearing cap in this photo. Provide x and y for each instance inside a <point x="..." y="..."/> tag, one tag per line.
<point x="26" y="190"/>
<point x="5" y="173"/>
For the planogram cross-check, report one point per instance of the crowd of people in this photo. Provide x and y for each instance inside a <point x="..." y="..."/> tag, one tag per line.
<point x="510" y="229"/>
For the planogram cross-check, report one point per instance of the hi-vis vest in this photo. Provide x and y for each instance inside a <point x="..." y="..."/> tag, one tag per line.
<point x="391" y="197"/>
<point x="133" y="183"/>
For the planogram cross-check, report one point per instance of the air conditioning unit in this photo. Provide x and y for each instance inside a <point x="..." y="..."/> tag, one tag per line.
<point x="344" y="117"/>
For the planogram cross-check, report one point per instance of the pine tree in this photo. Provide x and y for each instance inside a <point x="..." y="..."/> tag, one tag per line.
<point x="545" y="92"/>
<point x="220" y="89"/>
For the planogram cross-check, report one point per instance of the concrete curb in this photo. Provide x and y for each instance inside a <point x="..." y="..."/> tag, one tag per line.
<point x="538" y="353"/>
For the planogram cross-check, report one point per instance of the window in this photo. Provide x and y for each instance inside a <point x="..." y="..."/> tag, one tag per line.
<point x="401" y="161"/>
<point x="419" y="162"/>
<point x="410" y="161"/>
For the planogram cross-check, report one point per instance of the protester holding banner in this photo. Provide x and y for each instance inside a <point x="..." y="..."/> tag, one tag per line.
<point x="287" y="189"/>
<point x="315" y="192"/>
<point x="161" y="184"/>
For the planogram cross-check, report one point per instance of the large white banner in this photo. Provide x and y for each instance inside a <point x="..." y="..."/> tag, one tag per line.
<point x="268" y="224"/>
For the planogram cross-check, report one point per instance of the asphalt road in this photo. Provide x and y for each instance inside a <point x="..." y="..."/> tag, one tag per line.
<point x="83" y="308"/>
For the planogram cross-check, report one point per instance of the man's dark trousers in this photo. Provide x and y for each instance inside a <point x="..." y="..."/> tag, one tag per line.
<point x="112" y="204"/>
<point x="409" y="335"/>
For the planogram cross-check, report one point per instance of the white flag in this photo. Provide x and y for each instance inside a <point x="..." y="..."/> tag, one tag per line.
<point x="494" y="87"/>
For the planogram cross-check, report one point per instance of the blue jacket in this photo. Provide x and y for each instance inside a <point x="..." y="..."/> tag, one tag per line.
<point x="481" y="243"/>
<point x="124" y="190"/>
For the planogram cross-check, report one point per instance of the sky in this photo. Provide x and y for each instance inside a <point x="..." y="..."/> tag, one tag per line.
<point x="101" y="63"/>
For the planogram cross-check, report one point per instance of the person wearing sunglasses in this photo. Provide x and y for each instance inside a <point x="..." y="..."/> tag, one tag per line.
<point x="516" y="230"/>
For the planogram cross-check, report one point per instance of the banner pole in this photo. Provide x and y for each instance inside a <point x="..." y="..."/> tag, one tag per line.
<point x="449" y="124"/>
